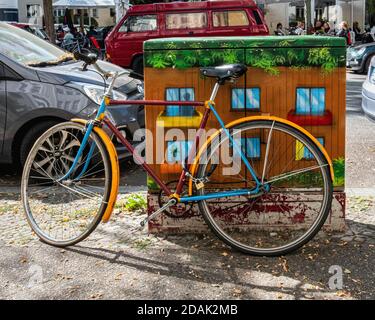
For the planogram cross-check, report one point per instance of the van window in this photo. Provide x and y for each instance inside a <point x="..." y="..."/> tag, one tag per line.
<point x="139" y="24"/>
<point x="257" y="17"/>
<point x="191" y="20"/>
<point x="230" y="18"/>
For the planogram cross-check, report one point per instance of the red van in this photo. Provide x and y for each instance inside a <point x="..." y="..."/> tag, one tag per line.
<point x="124" y="44"/>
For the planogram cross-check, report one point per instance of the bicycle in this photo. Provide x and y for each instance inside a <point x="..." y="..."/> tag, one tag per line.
<point x="71" y="177"/>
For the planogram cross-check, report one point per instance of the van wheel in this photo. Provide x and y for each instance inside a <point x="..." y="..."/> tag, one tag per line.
<point x="137" y="64"/>
<point x="31" y="136"/>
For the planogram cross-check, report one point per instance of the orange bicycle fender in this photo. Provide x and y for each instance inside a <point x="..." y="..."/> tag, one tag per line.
<point x="115" y="181"/>
<point x="194" y="166"/>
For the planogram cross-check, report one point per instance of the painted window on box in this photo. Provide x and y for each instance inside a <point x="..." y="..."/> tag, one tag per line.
<point x="250" y="147"/>
<point x="180" y="94"/>
<point x="177" y="151"/>
<point x="310" y="101"/>
<point x="248" y="98"/>
<point x="303" y="153"/>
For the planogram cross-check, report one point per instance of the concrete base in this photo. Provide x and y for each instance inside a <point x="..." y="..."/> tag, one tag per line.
<point x="288" y="217"/>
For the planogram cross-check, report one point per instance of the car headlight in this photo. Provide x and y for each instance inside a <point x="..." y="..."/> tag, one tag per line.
<point x="96" y="93"/>
<point x="371" y="77"/>
<point x="140" y="88"/>
<point x="358" y="53"/>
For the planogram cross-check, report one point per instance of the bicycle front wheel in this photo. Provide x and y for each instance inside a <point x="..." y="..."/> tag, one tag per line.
<point x="64" y="212"/>
<point x="294" y="201"/>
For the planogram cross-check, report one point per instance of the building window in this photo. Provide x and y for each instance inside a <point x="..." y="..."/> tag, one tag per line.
<point x="59" y="12"/>
<point x="33" y="10"/>
<point x="300" y="13"/>
<point x="177" y="151"/>
<point x="180" y="94"/>
<point x="186" y="20"/>
<point x="249" y="146"/>
<point x="248" y="98"/>
<point x="112" y="12"/>
<point x="95" y="13"/>
<point x="310" y="101"/>
<point x="235" y="18"/>
<point x="303" y="153"/>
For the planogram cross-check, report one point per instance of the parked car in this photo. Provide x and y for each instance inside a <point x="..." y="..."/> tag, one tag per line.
<point x="368" y="91"/>
<point x="359" y="57"/>
<point x="124" y="44"/>
<point x="41" y="85"/>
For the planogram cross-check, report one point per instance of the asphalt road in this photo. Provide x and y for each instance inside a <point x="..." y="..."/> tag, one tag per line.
<point x="360" y="141"/>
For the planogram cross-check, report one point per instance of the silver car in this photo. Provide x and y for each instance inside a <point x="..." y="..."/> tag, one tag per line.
<point x="368" y="91"/>
<point x="42" y="85"/>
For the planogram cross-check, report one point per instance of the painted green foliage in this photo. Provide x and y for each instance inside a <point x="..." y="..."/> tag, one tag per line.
<point x="314" y="178"/>
<point x="267" y="53"/>
<point x="339" y="172"/>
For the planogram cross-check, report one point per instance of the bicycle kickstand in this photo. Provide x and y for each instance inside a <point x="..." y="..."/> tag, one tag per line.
<point x="171" y="202"/>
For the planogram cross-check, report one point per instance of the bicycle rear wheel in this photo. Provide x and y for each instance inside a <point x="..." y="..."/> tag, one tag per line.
<point x="297" y="194"/>
<point x="63" y="213"/>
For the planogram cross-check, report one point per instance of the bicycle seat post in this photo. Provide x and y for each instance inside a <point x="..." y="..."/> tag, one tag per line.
<point x="214" y="91"/>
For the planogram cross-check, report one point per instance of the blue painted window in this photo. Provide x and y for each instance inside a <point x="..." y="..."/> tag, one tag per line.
<point x="246" y="99"/>
<point x="310" y="101"/>
<point x="307" y="154"/>
<point x="250" y="146"/>
<point x="177" y="151"/>
<point x="180" y="94"/>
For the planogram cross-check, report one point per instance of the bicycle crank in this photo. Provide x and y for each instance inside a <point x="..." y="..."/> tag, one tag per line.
<point x="171" y="202"/>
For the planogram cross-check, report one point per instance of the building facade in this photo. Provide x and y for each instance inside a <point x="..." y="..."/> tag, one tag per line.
<point x="334" y="11"/>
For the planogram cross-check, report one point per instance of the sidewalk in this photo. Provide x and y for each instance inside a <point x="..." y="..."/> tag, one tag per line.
<point x="114" y="264"/>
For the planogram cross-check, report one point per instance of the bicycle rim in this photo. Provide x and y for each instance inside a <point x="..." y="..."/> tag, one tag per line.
<point x="63" y="213"/>
<point x="271" y="222"/>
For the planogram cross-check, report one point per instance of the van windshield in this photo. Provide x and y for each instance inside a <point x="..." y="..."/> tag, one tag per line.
<point x="28" y="49"/>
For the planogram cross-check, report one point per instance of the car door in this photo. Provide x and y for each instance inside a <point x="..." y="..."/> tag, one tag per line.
<point x="2" y="105"/>
<point x="130" y="37"/>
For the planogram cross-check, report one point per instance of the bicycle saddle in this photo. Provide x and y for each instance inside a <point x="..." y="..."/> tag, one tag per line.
<point x="224" y="72"/>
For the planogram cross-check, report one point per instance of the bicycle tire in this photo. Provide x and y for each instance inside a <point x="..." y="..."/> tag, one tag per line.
<point x="26" y="176"/>
<point x="310" y="232"/>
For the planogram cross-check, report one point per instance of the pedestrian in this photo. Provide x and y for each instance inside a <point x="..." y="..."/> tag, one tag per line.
<point x="68" y="37"/>
<point x="357" y="31"/>
<point x="300" y="30"/>
<point x="279" y="30"/>
<point x="327" y="29"/>
<point x="344" y="32"/>
<point x="92" y="32"/>
<point x="318" y="29"/>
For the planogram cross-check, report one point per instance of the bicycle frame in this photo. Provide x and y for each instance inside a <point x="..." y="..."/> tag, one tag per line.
<point x="209" y="106"/>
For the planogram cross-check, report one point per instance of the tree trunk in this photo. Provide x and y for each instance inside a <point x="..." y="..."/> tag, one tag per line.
<point x="308" y="16"/>
<point x="48" y="19"/>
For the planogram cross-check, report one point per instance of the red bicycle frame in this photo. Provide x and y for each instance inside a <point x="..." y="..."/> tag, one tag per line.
<point x="146" y="167"/>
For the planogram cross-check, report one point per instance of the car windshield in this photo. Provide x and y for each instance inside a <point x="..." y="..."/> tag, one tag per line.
<point x="27" y="48"/>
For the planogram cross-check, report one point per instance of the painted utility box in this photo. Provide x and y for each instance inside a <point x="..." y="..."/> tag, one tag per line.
<point x="299" y="78"/>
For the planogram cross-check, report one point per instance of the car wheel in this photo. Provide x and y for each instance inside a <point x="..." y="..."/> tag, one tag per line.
<point x="367" y="65"/>
<point x="137" y="64"/>
<point x="31" y="136"/>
